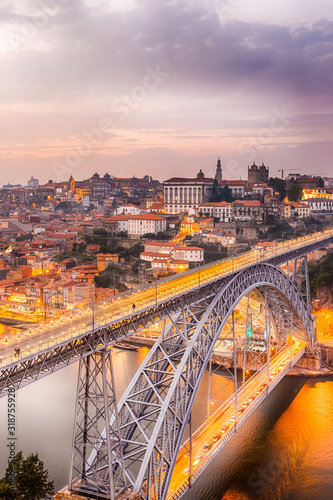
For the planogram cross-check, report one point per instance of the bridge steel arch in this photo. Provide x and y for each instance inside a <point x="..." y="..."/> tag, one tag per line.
<point x="155" y="409"/>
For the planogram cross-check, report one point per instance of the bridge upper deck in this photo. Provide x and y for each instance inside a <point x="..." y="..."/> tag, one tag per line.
<point x="48" y="348"/>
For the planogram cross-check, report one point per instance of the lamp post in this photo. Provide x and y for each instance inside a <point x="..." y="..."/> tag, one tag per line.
<point x="91" y="302"/>
<point x="46" y="300"/>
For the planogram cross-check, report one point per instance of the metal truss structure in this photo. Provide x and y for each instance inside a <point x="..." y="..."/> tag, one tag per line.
<point x="156" y="407"/>
<point x="135" y="443"/>
<point x="21" y="372"/>
<point x="96" y="405"/>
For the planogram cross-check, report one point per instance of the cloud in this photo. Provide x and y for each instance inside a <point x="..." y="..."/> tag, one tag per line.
<point x="88" y="48"/>
<point x="225" y="75"/>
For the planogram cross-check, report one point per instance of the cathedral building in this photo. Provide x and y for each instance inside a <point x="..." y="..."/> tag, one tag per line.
<point x="257" y="175"/>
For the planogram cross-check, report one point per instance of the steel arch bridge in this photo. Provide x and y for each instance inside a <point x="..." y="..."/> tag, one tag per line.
<point x="135" y="443"/>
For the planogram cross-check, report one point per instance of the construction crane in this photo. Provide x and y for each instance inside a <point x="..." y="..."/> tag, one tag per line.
<point x="287" y="170"/>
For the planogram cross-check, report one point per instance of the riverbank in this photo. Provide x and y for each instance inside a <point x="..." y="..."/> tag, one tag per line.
<point x="298" y="371"/>
<point x="309" y="366"/>
<point x="22" y="324"/>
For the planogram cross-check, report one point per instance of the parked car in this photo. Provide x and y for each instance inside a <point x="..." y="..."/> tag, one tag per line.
<point x="224" y="429"/>
<point x="197" y="459"/>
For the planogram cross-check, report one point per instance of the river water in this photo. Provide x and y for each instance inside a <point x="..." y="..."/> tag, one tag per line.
<point x="284" y="451"/>
<point x="7" y="329"/>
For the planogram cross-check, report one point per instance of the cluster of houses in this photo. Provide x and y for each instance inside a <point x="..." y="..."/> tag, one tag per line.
<point x="35" y="229"/>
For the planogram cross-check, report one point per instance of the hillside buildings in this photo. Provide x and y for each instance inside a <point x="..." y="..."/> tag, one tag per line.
<point x="193" y="195"/>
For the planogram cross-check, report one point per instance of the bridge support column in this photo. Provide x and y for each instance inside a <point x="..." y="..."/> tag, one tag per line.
<point x="96" y="462"/>
<point x="300" y="278"/>
<point x="268" y="336"/>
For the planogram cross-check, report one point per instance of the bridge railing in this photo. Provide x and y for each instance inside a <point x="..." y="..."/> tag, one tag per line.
<point x="232" y="265"/>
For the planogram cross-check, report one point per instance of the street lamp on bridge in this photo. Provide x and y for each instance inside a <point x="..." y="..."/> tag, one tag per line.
<point x="46" y="300"/>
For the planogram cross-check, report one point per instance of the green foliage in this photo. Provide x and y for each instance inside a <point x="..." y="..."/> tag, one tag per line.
<point x="278" y="186"/>
<point x="104" y="280"/>
<point x="279" y="228"/>
<point x="100" y="232"/>
<point x="321" y="273"/>
<point x="98" y="237"/>
<point x="122" y="234"/>
<point x="150" y="236"/>
<point x="135" y="250"/>
<point x="63" y="205"/>
<point x="81" y="257"/>
<point x="31" y="479"/>
<point x="135" y="268"/>
<point x="161" y="236"/>
<point x="295" y="193"/>
<point x="6" y="491"/>
<point x="221" y="193"/>
<point x="24" y="237"/>
<point x="109" y="278"/>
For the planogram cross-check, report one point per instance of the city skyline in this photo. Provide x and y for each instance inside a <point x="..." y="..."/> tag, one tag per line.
<point x="139" y="87"/>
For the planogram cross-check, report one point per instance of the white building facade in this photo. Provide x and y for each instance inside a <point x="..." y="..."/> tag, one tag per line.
<point x="320" y="204"/>
<point x="129" y="209"/>
<point x="138" y="225"/>
<point x="220" y="210"/>
<point x="183" y="194"/>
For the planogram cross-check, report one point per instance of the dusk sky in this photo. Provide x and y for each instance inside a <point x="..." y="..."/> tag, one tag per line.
<point x="164" y="87"/>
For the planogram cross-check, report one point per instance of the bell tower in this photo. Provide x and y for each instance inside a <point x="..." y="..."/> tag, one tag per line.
<point x="72" y="183"/>
<point x="218" y="174"/>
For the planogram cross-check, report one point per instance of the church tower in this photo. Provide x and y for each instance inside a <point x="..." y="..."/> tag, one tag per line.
<point x="72" y="184"/>
<point x="218" y="175"/>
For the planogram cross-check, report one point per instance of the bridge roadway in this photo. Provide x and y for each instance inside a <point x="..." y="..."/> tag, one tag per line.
<point x="51" y="347"/>
<point x="250" y="396"/>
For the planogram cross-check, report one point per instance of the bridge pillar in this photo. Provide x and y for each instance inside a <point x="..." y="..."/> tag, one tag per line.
<point x="64" y="494"/>
<point x="96" y="461"/>
<point x="300" y="278"/>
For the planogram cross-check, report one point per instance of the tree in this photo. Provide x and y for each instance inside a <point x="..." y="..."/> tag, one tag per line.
<point x="24" y="237"/>
<point x="151" y="236"/>
<point x="279" y="187"/>
<point x="161" y="236"/>
<point x="31" y="479"/>
<point x="295" y="193"/>
<point x="122" y="234"/>
<point x="100" y="232"/>
<point x="135" y="250"/>
<point x="226" y="194"/>
<point x="215" y="190"/>
<point x="63" y="205"/>
<point x="6" y="491"/>
<point x="221" y="193"/>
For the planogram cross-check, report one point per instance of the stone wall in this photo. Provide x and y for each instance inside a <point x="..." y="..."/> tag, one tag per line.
<point x="327" y="355"/>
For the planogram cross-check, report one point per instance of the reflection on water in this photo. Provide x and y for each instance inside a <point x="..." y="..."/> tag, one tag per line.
<point x="283" y="451"/>
<point x="8" y="329"/>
